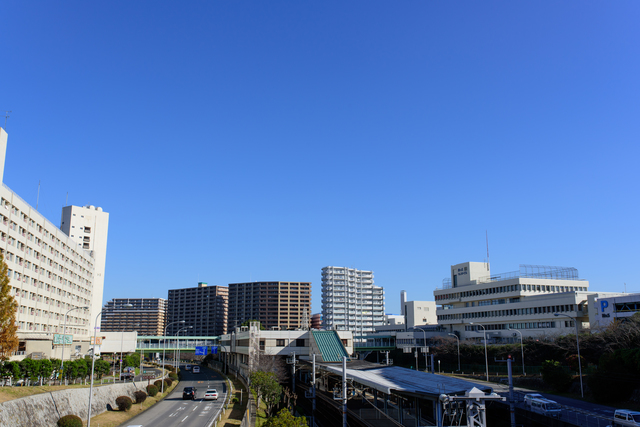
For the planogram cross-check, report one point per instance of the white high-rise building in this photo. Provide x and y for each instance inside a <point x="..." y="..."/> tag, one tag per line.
<point x="89" y="226"/>
<point x="350" y="300"/>
<point x="52" y="277"/>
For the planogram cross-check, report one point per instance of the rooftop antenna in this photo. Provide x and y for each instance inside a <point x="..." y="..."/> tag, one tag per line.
<point x="66" y="201"/>
<point x="487" y="237"/>
<point x="6" y="116"/>
<point x="38" y="196"/>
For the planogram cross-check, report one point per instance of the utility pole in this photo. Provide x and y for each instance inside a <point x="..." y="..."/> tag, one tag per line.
<point x="511" y="407"/>
<point x="344" y="391"/>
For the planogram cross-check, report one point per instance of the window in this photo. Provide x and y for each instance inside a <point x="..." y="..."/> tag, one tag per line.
<point x="300" y="342"/>
<point x="280" y="343"/>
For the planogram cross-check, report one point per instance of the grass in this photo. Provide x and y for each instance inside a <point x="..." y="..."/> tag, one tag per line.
<point x="234" y="416"/>
<point x="261" y="414"/>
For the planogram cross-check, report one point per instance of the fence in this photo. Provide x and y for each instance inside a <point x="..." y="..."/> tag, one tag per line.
<point x="249" y="416"/>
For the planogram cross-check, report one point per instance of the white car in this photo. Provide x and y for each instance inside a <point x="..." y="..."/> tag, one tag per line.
<point x="211" y="394"/>
<point x="530" y="396"/>
<point x="196" y="369"/>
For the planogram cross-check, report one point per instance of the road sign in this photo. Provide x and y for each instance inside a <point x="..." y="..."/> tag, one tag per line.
<point x="202" y="350"/>
<point x="148" y="377"/>
<point x="214" y="349"/>
<point x="62" y="339"/>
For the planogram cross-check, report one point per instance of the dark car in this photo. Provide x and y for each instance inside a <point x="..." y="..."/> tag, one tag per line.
<point x="189" y="393"/>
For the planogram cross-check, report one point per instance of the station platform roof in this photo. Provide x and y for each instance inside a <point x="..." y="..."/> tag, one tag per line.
<point x="393" y="379"/>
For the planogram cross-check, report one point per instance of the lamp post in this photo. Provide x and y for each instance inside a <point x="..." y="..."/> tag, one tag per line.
<point x="575" y="321"/>
<point x="164" y="349"/>
<point x="426" y="361"/>
<point x="64" y="335"/>
<point x="93" y="361"/>
<point x="486" y="358"/>
<point x="178" y="341"/>
<point x="521" y="348"/>
<point x="457" y="339"/>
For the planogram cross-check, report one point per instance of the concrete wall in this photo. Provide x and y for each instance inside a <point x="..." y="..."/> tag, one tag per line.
<point x="44" y="410"/>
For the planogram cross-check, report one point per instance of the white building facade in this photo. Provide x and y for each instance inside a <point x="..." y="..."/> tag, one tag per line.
<point x="474" y="302"/>
<point x="605" y="308"/>
<point x="350" y="300"/>
<point x="51" y="278"/>
<point x="419" y="313"/>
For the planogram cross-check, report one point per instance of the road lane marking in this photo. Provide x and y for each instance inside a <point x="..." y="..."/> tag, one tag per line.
<point x="184" y="418"/>
<point x="178" y="410"/>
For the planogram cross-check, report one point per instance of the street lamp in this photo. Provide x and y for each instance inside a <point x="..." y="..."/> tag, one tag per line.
<point x="457" y="339"/>
<point x="521" y="349"/>
<point x="575" y="321"/>
<point x="93" y="360"/>
<point x="426" y="362"/>
<point x="178" y="340"/>
<point x="164" y="349"/>
<point x="486" y="358"/>
<point x="64" y="334"/>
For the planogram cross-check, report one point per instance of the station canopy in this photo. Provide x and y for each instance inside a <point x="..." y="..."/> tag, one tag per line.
<point x="396" y="380"/>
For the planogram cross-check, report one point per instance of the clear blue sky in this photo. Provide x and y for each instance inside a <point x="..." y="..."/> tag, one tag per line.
<point x="251" y="140"/>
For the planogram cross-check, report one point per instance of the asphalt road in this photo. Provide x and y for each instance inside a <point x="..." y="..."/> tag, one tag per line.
<point x="173" y="411"/>
<point x="578" y="412"/>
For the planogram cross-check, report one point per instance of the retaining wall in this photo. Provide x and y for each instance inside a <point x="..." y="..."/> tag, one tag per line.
<point x="44" y="410"/>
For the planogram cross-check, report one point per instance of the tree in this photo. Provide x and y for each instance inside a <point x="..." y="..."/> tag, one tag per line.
<point x="266" y="386"/>
<point x="8" y="309"/>
<point x="132" y="359"/>
<point x="248" y="322"/>
<point x="555" y="376"/>
<point x="285" y="419"/>
<point x="101" y="367"/>
<point x="46" y="369"/>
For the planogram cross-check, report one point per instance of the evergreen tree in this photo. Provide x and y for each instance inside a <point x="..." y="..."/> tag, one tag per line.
<point x="8" y="309"/>
<point x="285" y="419"/>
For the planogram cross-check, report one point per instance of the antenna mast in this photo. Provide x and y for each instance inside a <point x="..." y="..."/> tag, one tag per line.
<point x="487" y="237"/>
<point x="6" y="116"/>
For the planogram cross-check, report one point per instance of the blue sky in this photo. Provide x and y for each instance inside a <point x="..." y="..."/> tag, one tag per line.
<point x="238" y="141"/>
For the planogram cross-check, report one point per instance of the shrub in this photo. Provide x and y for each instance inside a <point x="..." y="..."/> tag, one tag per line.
<point x="173" y="376"/>
<point x="70" y="421"/>
<point x="152" y="390"/>
<point x="555" y="376"/>
<point x="124" y="403"/>
<point x="158" y="383"/>
<point x="168" y="382"/>
<point x="169" y="368"/>
<point x="140" y="396"/>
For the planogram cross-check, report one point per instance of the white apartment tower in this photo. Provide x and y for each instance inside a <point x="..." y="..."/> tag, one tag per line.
<point x="52" y="277"/>
<point x="89" y="227"/>
<point x="350" y="300"/>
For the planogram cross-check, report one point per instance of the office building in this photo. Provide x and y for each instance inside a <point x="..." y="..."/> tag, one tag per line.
<point x="473" y="302"/>
<point x="350" y="300"/>
<point x="147" y="316"/>
<point x="204" y="308"/>
<point x="607" y="307"/>
<point x="242" y="348"/>
<point x="52" y="277"/>
<point x="276" y="305"/>
<point x="418" y="313"/>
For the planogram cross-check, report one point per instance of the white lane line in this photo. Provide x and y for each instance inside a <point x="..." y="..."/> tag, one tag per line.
<point x="184" y="418"/>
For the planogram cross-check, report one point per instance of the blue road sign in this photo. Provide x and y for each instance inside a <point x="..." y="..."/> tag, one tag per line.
<point x="214" y="349"/>
<point x="202" y="350"/>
